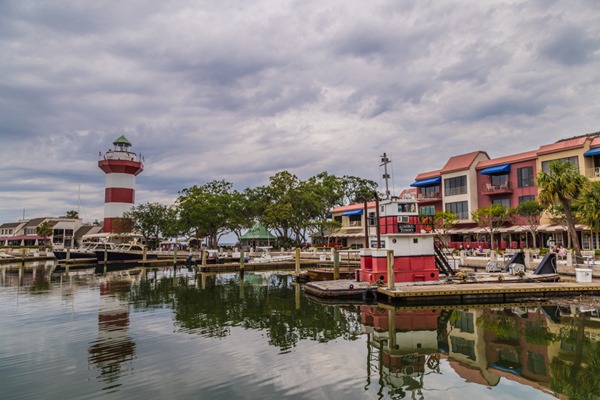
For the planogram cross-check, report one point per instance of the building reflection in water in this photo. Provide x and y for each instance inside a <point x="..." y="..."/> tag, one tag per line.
<point x="552" y="349"/>
<point x="113" y="349"/>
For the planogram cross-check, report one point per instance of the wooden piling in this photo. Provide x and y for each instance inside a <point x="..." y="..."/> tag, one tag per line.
<point x="298" y="260"/>
<point x="242" y="260"/>
<point x="390" y="269"/>
<point x="336" y="265"/>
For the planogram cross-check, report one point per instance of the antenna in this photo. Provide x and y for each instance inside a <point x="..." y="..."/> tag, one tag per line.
<point x="78" y="199"/>
<point x="384" y="162"/>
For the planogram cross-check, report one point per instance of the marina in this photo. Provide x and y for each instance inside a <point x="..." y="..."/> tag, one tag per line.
<point x="189" y="334"/>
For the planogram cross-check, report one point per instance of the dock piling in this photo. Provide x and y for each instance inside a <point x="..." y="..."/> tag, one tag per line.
<point x="390" y="269"/>
<point x="336" y="265"/>
<point x="298" y="260"/>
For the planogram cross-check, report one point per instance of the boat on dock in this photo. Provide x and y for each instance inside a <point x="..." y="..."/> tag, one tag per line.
<point x="87" y="250"/>
<point x="126" y="252"/>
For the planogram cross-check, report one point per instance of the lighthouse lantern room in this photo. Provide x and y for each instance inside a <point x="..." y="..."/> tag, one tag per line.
<point x="121" y="166"/>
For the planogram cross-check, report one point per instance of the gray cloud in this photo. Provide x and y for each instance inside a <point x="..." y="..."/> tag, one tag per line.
<point x="239" y="91"/>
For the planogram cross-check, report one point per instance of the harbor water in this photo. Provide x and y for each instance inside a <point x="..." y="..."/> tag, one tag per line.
<point x="178" y="334"/>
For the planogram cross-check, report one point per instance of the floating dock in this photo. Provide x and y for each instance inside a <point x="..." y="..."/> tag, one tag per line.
<point x="440" y="292"/>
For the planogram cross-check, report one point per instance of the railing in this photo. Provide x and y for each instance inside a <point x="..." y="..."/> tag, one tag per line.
<point x="425" y="196"/>
<point x="456" y="191"/>
<point x="593" y="172"/>
<point x="502" y="188"/>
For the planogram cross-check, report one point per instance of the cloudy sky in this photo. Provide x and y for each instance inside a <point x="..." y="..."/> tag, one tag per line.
<point x="239" y="90"/>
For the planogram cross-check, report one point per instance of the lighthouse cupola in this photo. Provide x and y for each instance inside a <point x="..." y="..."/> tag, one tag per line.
<point x="121" y="166"/>
<point x="122" y="144"/>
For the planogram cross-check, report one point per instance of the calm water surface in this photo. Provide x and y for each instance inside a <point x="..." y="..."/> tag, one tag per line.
<point x="175" y="334"/>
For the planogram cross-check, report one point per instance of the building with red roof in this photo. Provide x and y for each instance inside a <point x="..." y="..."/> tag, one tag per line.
<point x="473" y="180"/>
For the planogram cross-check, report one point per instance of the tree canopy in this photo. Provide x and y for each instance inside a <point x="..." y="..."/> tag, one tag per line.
<point x="562" y="183"/>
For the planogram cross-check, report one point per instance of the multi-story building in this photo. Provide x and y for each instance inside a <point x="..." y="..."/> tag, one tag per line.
<point x="471" y="181"/>
<point x="66" y="232"/>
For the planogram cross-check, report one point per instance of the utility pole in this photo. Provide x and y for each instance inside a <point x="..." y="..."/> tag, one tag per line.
<point x="384" y="162"/>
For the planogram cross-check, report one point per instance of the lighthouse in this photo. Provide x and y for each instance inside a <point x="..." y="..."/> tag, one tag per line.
<point x="121" y="166"/>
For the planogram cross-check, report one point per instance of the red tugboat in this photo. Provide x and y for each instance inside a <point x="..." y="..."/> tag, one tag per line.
<point x="401" y="230"/>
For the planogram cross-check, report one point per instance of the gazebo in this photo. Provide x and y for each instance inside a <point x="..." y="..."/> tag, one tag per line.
<point x="257" y="236"/>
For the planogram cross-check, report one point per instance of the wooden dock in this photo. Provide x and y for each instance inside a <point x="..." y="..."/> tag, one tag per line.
<point x="486" y="292"/>
<point x="450" y="293"/>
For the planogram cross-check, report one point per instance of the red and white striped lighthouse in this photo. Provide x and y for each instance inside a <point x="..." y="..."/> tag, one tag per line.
<point x="121" y="167"/>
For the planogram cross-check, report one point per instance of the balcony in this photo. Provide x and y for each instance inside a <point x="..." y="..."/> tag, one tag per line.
<point x="593" y="172"/>
<point x="490" y="190"/>
<point x="429" y="197"/>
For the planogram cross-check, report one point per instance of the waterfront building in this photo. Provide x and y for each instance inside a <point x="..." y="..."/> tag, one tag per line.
<point x="257" y="236"/>
<point x="351" y="230"/>
<point x="121" y="166"/>
<point x="65" y="232"/>
<point x="471" y="181"/>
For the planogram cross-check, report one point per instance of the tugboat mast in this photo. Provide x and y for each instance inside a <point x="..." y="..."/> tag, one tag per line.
<point x="384" y="162"/>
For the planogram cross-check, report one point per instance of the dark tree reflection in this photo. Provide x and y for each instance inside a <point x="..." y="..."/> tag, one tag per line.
<point x="260" y="302"/>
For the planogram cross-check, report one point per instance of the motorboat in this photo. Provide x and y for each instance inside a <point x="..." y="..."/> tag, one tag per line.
<point x="125" y="252"/>
<point x="86" y="250"/>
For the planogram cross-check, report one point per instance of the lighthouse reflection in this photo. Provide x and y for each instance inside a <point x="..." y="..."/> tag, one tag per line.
<point x="113" y="349"/>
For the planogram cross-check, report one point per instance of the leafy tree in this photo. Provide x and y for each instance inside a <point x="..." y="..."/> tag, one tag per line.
<point x="241" y="212"/>
<point x="531" y="211"/>
<point x="588" y="206"/>
<point x="72" y="214"/>
<point x="149" y="220"/>
<point x="122" y="226"/>
<point x="357" y="190"/>
<point x="562" y="183"/>
<point x="328" y="193"/>
<point x="44" y="230"/>
<point x="444" y="220"/>
<point x="557" y="216"/>
<point x="281" y="195"/>
<point x="491" y="218"/>
<point x="204" y="210"/>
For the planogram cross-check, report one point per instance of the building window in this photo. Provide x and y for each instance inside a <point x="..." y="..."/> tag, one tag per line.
<point x="500" y="181"/>
<point x="523" y="199"/>
<point x="371" y="219"/>
<point x="464" y="322"/>
<point x="430" y="192"/>
<point x="463" y="346"/>
<point x="502" y="202"/>
<point x="428" y="210"/>
<point x="455" y="186"/>
<point x="525" y="177"/>
<point x="460" y="208"/>
<point x="355" y="220"/>
<point x="573" y="160"/>
<point x="338" y="218"/>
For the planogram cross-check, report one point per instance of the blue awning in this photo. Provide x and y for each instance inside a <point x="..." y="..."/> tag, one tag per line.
<point x="352" y="212"/>
<point x="427" y="182"/>
<point x="592" y="152"/>
<point x="497" y="170"/>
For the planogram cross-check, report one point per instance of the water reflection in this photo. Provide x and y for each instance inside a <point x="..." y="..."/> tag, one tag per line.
<point x="549" y="348"/>
<point x="113" y="349"/>
<point x="421" y="352"/>
<point x="210" y="304"/>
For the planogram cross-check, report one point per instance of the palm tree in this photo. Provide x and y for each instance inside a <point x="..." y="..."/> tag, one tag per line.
<point x="588" y="206"/>
<point x="563" y="184"/>
<point x="44" y="230"/>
